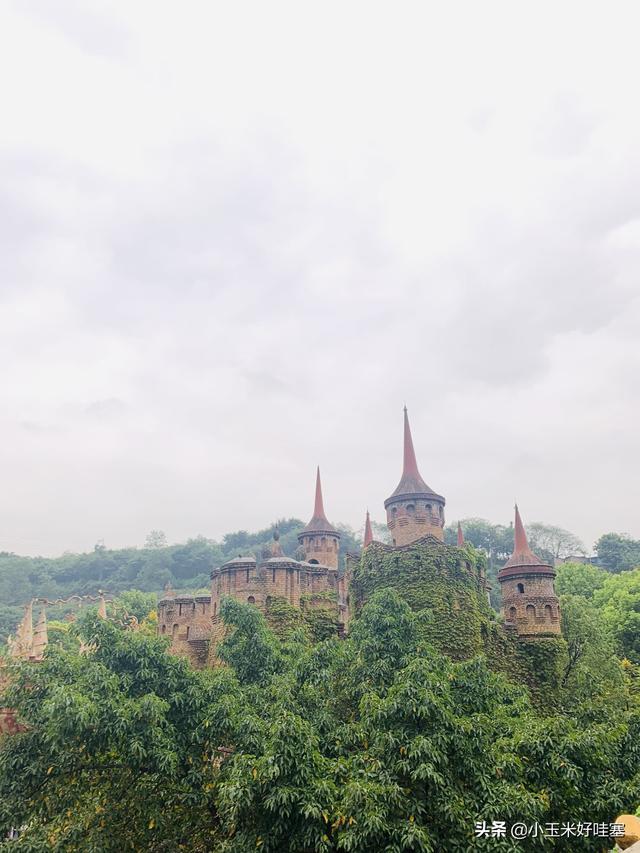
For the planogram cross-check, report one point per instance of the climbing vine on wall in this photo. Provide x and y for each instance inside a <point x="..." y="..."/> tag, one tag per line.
<point x="440" y="582"/>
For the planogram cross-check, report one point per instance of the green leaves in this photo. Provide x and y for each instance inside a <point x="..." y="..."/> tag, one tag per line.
<point x="375" y="743"/>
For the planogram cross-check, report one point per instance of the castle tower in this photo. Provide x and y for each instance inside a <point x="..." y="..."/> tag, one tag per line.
<point x="320" y="540"/>
<point x="414" y="509"/>
<point x="529" y="600"/>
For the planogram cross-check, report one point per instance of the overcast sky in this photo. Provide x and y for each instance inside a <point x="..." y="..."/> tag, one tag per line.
<point x="235" y="238"/>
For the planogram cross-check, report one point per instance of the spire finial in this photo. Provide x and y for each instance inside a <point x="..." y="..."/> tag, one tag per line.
<point x="318" y="509"/>
<point x="410" y="467"/>
<point x="368" y="532"/>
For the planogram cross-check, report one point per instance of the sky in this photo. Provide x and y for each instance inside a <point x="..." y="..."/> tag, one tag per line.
<point x="237" y="237"/>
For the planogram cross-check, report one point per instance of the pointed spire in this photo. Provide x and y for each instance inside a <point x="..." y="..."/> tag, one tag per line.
<point x="40" y="636"/>
<point x="460" y="536"/>
<point x="411" y="483"/>
<point x="368" y="533"/>
<point x="318" y="509"/>
<point x="522" y="553"/>
<point x="410" y="468"/>
<point x="319" y="521"/>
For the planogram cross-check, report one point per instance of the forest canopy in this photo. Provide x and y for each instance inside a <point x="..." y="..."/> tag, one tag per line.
<point x="373" y="743"/>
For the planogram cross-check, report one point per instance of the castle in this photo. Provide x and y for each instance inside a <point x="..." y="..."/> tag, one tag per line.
<point x="415" y="519"/>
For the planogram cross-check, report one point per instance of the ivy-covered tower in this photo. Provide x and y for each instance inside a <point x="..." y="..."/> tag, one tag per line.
<point x="529" y="601"/>
<point x="320" y="540"/>
<point x="414" y="509"/>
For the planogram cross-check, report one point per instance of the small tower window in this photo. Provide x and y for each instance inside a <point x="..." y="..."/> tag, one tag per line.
<point x="428" y="507"/>
<point x="394" y="510"/>
<point x="520" y="587"/>
<point x="174" y="631"/>
<point x="247" y="575"/>
<point x="251" y="600"/>
<point x="512" y="614"/>
<point x="548" y="612"/>
<point x="411" y="508"/>
<point x="188" y="629"/>
<point x="164" y="629"/>
<point x="531" y="611"/>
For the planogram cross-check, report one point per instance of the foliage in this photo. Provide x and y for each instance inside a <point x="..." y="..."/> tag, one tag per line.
<point x="376" y="743"/>
<point x="615" y="596"/>
<point x="579" y="579"/>
<point x="617" y="552"/>
<point x="443" y="584"/>
<point x="619" y="600"/>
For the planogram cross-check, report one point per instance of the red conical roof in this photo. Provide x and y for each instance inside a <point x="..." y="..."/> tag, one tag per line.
<point x="319" y="522"/>
<point x="411" y="483"/>
<point x="522" y="553"/>
<point x="460" y="536"/>
<point x="368" y="533"/>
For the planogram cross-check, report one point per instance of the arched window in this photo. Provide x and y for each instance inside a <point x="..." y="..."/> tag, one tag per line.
<point x="548" y="612"/>
<point x="394" y="510"/>
<point x="313" y="562"/>
<point x="411" y="509"/>
<point x="164" y="629"/>
<point x="174" y="631"/>
<point x="269" y="600"/>
<point x="428" y="507"/>
<point x="512" y="614"/>
<point x="531" y="611"/>
<point x="323" y="541"/>
<point x="251" y="600"/>
<point x="520" y="587"/>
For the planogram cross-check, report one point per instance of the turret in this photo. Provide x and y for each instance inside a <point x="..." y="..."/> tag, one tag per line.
<point x="529" y="600"/>
<point x="320" y="539"/>
<point x="414" y="509"/>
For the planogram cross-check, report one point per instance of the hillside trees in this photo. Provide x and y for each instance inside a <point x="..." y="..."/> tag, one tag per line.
<point x="618" y="553"/>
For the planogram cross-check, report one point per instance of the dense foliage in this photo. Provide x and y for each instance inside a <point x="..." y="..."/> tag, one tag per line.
<point x="618" y="553"/>
<point x="614" y="597"/>
<point x="375" y="743"/>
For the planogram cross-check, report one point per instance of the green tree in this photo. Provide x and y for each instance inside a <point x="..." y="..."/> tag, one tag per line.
<point x="156" y="539"/>
<point x="374" y="743"/>
<point x="617" y="552"/>
<point x="579" y="579"/>
<point x="619" y="600"/>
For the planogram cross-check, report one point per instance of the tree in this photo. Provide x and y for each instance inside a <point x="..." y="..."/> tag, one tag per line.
<point x="553" y="543"/>
<point x="155" y="539"/>
<point x="579" y="579"/>
<point x="619" y="599"/>
<point x="617" y="553"/>
<point x="373" y="743"/>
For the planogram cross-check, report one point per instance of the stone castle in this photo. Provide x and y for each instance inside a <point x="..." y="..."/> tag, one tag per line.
<point x="415" y="519"/>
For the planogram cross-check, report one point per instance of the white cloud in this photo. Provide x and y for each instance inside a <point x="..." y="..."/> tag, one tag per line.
<point x="235" y="240"/>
